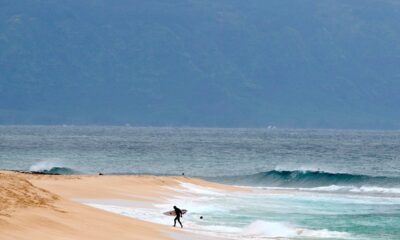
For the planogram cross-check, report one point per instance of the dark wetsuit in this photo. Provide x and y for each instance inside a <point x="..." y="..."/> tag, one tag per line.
<point x="178" y="213"/>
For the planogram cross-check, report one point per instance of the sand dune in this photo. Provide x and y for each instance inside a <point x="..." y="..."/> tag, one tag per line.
<point x="18" y="193"/>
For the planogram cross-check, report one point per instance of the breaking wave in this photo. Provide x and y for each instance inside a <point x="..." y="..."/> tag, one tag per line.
<point x="59" y="170"/>
<point x="51" y="168"/>
<point x="310" y="179"/>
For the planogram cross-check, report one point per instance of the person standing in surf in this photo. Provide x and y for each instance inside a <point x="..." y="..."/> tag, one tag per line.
<point x="179" y="214"/>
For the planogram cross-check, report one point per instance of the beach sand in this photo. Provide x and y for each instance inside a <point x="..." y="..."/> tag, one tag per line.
<point x="36" y="206"/>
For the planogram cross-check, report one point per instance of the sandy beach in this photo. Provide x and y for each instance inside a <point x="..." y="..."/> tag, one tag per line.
<point x="48" y="206"/>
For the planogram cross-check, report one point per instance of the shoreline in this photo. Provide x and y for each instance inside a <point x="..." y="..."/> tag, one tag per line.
<point x="128" y="207"/>
<point x="39" y="206"/>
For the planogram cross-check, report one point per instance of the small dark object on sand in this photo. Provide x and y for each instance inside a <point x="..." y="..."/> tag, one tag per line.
<point x="101" y="174"/>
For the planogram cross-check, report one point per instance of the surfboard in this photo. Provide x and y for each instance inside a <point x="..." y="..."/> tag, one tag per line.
<point x="172" y="213"/>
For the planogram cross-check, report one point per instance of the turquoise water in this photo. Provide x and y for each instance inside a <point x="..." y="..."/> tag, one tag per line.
<point x="323" y="216"/>
<point x="304" y="215"/>
<point x="272" y="213"/>
<point x="305" y="184"/>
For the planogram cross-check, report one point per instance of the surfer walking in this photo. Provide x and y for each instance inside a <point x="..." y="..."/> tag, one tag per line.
<point x="179" y="214"/>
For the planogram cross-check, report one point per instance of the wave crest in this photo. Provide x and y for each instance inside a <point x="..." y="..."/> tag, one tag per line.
<point x="51" y="168"/>
<point x="59" y="170"/>
<point x="310" y="179"/>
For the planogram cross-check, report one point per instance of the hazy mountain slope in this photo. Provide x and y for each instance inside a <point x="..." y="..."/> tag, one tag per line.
<point x="201" y="63"/>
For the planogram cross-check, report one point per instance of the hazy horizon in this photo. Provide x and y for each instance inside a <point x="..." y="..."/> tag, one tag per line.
<point x="269" y="128"/>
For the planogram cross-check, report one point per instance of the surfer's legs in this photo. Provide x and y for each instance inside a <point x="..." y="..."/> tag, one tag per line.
<point x="179" y="221"/>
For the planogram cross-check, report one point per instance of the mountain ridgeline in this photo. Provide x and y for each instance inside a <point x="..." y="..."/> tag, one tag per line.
<point x="225" y="63"/>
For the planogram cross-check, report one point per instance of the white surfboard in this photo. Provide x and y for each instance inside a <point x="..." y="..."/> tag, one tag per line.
<point x="172" y="213"/>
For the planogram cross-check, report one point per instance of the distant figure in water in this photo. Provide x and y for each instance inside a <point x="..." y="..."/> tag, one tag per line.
<point x="178" y="213"/>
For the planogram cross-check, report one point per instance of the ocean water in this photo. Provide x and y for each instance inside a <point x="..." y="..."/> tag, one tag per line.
<point x="305" y="184"/>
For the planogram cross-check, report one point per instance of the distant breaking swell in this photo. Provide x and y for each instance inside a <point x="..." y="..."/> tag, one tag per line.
<point x="57" y="170"/>
<point x="310" y="179"/>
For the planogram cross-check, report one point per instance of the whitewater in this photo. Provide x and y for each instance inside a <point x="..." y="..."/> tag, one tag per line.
<point x="304" y="184"/>
<point x="263" y="214"/>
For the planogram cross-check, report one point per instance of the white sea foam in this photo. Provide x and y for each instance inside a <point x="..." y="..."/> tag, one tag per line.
<point x="145" y="214"/>
<point x="323" y="233"/>
<point x="340" y="189"/>
<point x="155" y="215"/>
<point x="215" y="203"/>
<point x="354" y="189"/>
<point x="200" y="190"/>
<point x="376" y="190"/>
<point x="256" y="230"/>
<point x="260" y="228"/>
<point x="303" y="169"/>
<point x="264" y="229"/>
